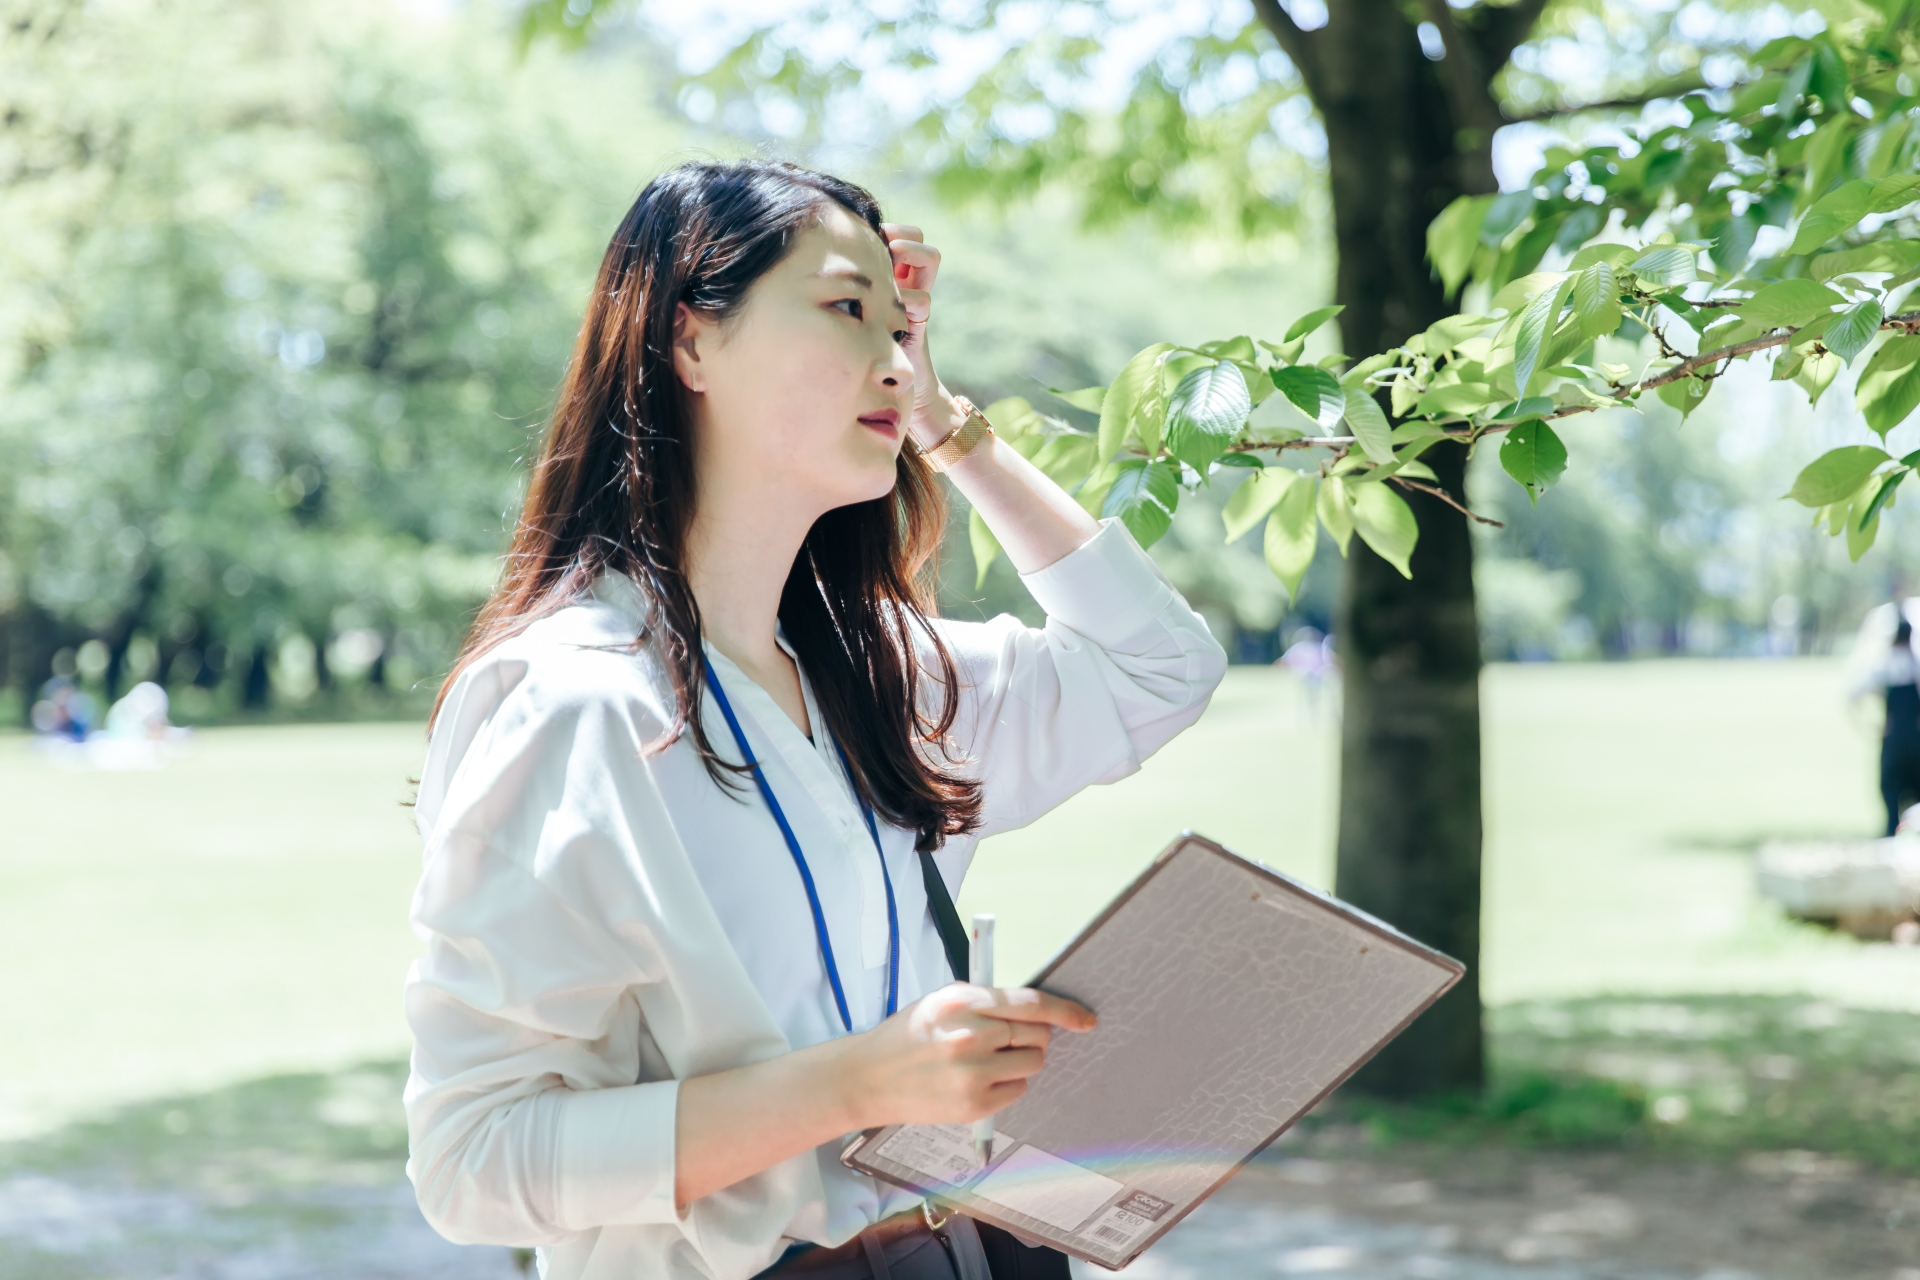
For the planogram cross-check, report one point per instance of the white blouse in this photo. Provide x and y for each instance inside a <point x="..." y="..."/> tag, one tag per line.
<point x="601" y="924"/>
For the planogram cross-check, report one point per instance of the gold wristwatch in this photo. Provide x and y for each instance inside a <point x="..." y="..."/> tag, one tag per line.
<point x="962" y="440"/>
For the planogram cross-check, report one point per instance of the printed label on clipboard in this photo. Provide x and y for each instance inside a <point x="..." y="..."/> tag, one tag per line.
<point x="1126" y="1220"/>
<point x="943" y="1152"/>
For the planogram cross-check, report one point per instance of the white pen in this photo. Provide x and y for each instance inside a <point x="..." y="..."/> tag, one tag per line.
<point x="980" y="973"/>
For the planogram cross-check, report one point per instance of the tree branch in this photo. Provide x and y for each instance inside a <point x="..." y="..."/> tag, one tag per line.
<point x="1469" y="86"/>
<point x="1445" y="497"/>
<point x="1301" y="46"/>
<point x="1500" y="29"/>
<point x="1671" y="89"/>
<point x="1907" y="322"/>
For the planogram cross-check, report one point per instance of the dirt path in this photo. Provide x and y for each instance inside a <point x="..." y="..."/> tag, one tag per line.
<point x="1316" y="1208"/>
<point x="1483" y="1213"/>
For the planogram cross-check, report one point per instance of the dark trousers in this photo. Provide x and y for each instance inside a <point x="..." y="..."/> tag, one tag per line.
<point x="1899" y="775"/>
<point x="898" y="1249"/>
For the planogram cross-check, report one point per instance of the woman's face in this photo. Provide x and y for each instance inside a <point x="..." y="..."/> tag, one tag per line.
<point x="804" y="398"/>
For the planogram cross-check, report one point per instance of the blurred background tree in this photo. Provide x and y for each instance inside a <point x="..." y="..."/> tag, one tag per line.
<point x="284" y="295"/>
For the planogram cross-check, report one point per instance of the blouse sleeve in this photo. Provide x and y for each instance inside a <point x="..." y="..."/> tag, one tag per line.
<point x="1121" y="665"/>
<point x="525" y="1123"/>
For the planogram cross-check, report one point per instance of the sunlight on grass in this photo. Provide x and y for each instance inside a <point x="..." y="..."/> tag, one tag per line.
<point x="243" y="912"/>
<point x="240" y="912"/>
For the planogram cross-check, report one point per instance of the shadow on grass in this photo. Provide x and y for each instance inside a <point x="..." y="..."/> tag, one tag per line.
<point x="285" y="1178"/>
<point x="280" y="1133"/>
<point x="1697" y="1075"/>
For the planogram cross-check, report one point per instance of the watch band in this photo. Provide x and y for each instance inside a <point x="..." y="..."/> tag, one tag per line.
<point x="962" y="440"/>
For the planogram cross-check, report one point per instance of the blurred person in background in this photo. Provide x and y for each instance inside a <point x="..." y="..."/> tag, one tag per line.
<point x="688" y="778"/>
<point x="65" y="711"/>
<point x="1897" y="679"/>
<point x="1311" y="657"/>
<point x="141" y="715"/>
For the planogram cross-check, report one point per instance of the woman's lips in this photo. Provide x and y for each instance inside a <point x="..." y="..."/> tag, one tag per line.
<point x="885" y="421"/>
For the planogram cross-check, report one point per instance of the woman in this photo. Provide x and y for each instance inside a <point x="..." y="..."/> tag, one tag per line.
<point x="662" y="988"/>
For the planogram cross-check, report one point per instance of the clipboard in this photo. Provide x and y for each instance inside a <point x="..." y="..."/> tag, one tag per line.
<point x="1232" y="999"/>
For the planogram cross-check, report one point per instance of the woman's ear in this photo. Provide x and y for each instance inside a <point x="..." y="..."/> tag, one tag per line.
<point x="690" y="329"/>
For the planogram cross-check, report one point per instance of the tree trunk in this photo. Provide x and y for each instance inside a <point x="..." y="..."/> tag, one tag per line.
<point x="1409" y="841"/>
<point x="256" y="689"/>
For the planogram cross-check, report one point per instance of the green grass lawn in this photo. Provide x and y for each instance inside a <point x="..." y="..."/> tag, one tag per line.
<point x="243" y="911"/>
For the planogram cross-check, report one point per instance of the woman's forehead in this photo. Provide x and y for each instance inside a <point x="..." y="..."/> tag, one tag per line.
<point x="837" y="240"/>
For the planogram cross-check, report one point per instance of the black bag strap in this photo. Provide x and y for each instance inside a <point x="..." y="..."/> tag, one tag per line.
<point x="953" y="934"/>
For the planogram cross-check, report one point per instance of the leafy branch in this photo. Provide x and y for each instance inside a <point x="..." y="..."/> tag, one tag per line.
<point x="1823" y="144"/>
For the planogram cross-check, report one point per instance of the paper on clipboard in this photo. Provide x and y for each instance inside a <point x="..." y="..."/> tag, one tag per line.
<point x="1231" y="1000"/>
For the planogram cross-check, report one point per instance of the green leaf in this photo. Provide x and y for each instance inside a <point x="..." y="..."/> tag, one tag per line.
<point x="1307" y="323"/>
<point x="1018" y="423"/>
<point x="1833" y="213"/>
<point x="1369" y="425"/>
<point x="1240" y="349"/>
<point x="1788" y="304"/>
<point x="1124" y="395"/>
<point x="1666" y="265"/>
<point x="1513" y="295"/>
<point x="1596" y="299"/>
<point x="1314" y="392"/>
<point x="1067" y="458"/>
<point x="1291" y="536"/>
<point x="1825" y="152"/>
<point x="1816" y="374"/>
<point x="1453" y="236"/>
<point x="1385" y="522"/>
<point x="1459" y="397"/>
<point x="1860" y="538"/>
<point x="1889" y="387"/>
<point x="1536" y="323"/>
<point x="1206" y="411"/>
<point x="1895" y="192"/>
<point x="1087" y="398"/>
<point x="1882" y="495"/>
<point x="1176" y="367"/>
<point x="1836" y="474"/>
<point x="1285" y="352"/>
<point x="1092" y="496"/>
<point x="1850" y="332"/>
<point x="1252" y="501"/>
<point x="1614" y="255"/>
<point x="1443" y="336"/>
<point x="1144" y="495"/>
<point x="985" y="547"/>
<point x="1861" y="528"/>
<point x="1531" y="407"/>
<point x="1336" y="513"/>
<point x="1358" y="375"/>
<point x="1882" y="255"/>
<point x="1684" y="394"/>
<point x="1534" y="455"/>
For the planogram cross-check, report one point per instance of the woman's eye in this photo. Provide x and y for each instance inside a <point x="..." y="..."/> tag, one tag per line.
<point x="901" y="335"/>
<point x="858" y="312"/>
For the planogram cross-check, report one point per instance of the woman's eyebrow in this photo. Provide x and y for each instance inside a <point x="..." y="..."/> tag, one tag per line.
<point x="860" y="278"/>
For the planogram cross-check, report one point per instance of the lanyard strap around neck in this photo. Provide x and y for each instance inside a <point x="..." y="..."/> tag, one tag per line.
<point x="806" y="874"/>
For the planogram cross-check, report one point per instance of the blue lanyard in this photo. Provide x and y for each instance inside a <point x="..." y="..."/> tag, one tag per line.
<point x="806" y="875"/>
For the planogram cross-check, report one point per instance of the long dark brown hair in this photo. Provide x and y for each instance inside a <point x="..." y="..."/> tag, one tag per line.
<point x="613" y="488"/>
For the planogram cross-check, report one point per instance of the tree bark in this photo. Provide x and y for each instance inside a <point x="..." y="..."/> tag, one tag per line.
<point x="1410" y="823"/>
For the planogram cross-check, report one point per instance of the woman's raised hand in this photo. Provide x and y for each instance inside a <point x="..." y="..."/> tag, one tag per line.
<point x="955" y="1055"/>
<point x="915" y="264"/>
